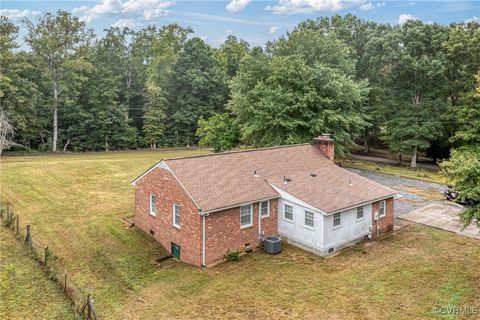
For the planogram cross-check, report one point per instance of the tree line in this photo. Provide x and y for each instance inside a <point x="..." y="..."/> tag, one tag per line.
<point x="410" y="87"/>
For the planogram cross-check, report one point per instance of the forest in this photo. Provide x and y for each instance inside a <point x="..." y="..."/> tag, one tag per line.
<point x="411" y="87"/>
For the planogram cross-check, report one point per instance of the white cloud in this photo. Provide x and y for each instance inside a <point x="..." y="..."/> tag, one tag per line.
<point x="370" y="6"/>
<point x="125" y="23"/>
<point x="311" y="6"/>
<point x="229" y="31"/>
<point x="273" y="29"/>
<point x="147" y="9"/>
<point x="404" y="17"/>
<point x="472" y="19"/>
<point x="237" y="5"/>
<point x="15" y="14"/>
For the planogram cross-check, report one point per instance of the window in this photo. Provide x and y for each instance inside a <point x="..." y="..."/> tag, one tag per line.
<point x="309" y="219"/>
<point x="382" y="209"/>
<point x="176" y="215"/>
<point x="288" y="212"/>
<point x="153" y="204"/>
<point x="246" y="217"/>
<point x="359" y="213"/>
<point x="265" y="209"/>
<point x="337" y="221"/>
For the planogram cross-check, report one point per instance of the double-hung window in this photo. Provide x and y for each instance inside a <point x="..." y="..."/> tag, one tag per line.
<point x="153" y="204"/>
<point x="265" y="209"/>
<point x="176" y="215"/>
<point x="359" y="213"/>
<point x="246" y="216"/>
<point x="337" y="220"/>
<point x="382" y="209"/>
<point x="288" y="212"/>
<point x="309" y="219"/>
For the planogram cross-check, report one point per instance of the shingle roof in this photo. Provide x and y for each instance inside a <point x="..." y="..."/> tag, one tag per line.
<point x="227" y="179"/>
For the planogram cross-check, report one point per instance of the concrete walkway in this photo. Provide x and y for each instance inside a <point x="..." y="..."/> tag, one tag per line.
<point x="442" y="217"/>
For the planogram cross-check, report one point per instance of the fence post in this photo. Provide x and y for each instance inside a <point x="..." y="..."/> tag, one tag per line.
<point x="45" y="255"/>
<point x="18" y="225"/>
<point x="65" y="285"/>
<point x="28" y="238"/>
<point x="89" y="309"/>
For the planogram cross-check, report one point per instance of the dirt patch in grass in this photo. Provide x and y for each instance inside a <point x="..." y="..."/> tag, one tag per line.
<point x="418" y="173"/>
<point x="75" y="205"/>
<point x="429" y="194"/>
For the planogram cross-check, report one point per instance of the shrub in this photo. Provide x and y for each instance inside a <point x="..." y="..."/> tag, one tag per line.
<point x="232" y="255"/>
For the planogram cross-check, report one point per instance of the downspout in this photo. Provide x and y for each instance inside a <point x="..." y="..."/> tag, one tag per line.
<point x="203" y="215"/>
<point x="259" y="223"/>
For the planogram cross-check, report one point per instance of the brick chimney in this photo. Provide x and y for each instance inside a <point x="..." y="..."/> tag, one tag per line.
<point x="326" y="144"/>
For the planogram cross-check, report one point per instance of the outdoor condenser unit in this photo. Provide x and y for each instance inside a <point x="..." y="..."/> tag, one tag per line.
<point x="272" y="244"/>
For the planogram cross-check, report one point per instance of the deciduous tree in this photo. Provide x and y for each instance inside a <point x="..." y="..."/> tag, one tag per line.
<point x="58" y="42"/>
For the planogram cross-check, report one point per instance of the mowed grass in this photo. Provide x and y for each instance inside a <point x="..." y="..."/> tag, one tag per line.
<point x="25" y="292"/>
<point x="418" y="173"/>
<point x="75" y="204"/>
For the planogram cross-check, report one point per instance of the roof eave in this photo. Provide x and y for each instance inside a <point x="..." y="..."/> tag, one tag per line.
<point x="360" y="204"/>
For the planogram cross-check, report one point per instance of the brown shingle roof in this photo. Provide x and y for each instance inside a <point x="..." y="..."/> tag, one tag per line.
<point x="227" y="179"/>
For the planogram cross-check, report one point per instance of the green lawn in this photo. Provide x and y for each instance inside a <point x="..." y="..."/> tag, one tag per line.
<point x="75" y="204"/>
<point x="25" y="292"/>
<point x="418" y="173"/>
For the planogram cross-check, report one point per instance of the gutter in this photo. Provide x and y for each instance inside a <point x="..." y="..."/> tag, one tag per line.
<point x="241" y="204"/>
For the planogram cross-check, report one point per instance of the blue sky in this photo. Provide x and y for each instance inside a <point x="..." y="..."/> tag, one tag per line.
<point x="254" y="21"/>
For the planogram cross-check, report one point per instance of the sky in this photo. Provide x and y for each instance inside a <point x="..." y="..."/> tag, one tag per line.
<point x="254" y="21"/>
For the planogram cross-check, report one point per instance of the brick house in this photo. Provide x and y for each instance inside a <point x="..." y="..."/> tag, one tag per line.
<point x="202" y="206"/>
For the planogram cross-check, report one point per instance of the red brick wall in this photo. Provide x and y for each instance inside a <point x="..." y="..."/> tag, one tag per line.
<point x="327" y="145"/>
<point x="168" y="191"/>
<point x="223" y="231"/>
<point x="386" y="223"/>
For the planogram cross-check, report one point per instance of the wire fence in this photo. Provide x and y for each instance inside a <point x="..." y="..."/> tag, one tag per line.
<point x="81" y="302"/>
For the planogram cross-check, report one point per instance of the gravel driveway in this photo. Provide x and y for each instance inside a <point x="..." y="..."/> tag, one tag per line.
<point x="415" y="193"/>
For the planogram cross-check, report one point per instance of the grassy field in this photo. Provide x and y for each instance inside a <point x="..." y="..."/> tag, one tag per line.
<point x="75" y="204"/>
<point x="417" y="173"/>
<point x="25" y="292"/>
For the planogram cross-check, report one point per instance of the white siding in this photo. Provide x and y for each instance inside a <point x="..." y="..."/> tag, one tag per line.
<point x="323" y="236"/>
<point x="350" y="228"/>
<point x="296" y="229"/>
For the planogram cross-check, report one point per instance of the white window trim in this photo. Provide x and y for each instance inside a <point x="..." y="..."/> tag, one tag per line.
<point x="251" y="216"/>
<point x="283" y="215"/>
<point x="333" y="222"/>
<point x="178" y="226"/>
<point x="152" y="195"/>
<point x="363" y="214"/>
<point x="260" y="209"/>
<point x="304" y="218"/>
<point x="384" y="209"/>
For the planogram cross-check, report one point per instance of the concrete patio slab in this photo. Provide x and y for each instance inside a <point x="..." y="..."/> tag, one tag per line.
<point x="442" y="217"/>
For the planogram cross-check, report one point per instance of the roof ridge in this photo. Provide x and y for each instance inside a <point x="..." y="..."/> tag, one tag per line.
<point x="238" y="151"/>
